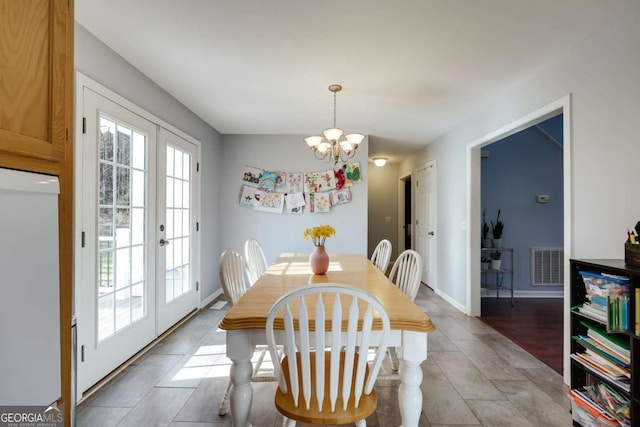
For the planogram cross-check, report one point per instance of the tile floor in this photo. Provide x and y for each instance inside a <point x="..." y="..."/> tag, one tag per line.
<point x="473" y="377"/>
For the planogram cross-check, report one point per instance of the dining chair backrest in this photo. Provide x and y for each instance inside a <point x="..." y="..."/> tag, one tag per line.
<point x="406" y="273"/>
<point x="232" y="275"/>
<point x="327" y="318"/>
<point x="381" y="255"/>
<point x="256" y="261"/>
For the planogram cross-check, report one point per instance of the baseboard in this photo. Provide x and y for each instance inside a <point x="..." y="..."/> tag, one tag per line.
<point x="208" y="300"/>
<point x="523" y="294"/>
<point x="451" y="301"/>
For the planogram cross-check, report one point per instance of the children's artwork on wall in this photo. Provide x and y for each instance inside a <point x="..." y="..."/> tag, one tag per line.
<point x="352" y="174"/>
<point x="268" y="180"/>
<point x="319" y="181"/>
<point x="247" y="196"/>
<point x="319" y="202"/>
<point x="261" y="200"/>
<point x="252" y="176"/>
<point x="294" y="182"/>
<point x="271" y="202"/>
<point x="281" y="182"/>
<point x="269" y="191"/>
<point x="340" y="178"/>
<point x="311" y="182"/>
<point x="339" y="197"/>
<point x="295" y="202"/>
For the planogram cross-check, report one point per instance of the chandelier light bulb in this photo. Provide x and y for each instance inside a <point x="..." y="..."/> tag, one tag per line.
<point x="355" y="138"/>
<point x="333" y="134"/>
<point x="313" y="141"/>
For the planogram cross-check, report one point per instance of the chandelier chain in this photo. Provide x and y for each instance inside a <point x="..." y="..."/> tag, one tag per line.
<point x="334" y="109"/>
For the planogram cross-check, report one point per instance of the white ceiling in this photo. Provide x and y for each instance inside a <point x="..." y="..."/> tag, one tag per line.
<point x="411" y="69"/>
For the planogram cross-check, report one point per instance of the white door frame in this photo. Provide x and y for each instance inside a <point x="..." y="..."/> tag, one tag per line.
<point x="474" y="214"/>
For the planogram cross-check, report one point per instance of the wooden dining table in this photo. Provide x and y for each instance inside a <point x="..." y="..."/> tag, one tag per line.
<point x="245" y="324"/>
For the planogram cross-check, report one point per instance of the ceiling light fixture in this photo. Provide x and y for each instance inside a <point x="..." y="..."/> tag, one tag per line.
<point x="329" y="145"/>
<point x="380" y="161"/>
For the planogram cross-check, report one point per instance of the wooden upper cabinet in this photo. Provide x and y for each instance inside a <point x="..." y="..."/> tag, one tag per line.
<point x="34" y="77"/>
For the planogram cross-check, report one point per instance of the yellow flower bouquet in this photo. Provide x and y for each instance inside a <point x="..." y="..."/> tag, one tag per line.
<point x="319" y="234"/>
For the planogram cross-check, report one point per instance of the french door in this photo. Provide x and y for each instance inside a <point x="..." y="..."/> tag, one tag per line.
<point x="138" y="222"/>
<point x="177" y="294"/>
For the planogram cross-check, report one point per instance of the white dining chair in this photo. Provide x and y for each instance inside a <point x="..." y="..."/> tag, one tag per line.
<point x="406" y="274"/>
<point x="381" y="255"/>
<point x="234" y="285"/>
<point x="256" y="261"/>
<point x="335" y="384"/>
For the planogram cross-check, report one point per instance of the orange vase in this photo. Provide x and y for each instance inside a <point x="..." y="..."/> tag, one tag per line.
<point x="319" y="260"/>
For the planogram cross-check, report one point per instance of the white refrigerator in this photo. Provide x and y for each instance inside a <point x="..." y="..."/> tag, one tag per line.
<point x="29" y="289"/>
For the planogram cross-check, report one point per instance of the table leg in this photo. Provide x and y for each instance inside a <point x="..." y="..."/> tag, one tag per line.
<point x="239" y="350"/>
<point x="414" y="352"/>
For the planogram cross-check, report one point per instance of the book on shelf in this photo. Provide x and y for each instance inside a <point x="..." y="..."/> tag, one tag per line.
<point x="601" y="350"/>
<point x="608" y="293"/>
<point x="612" y="341"/>
<point x="614" y="376"/>
<point x="590" y="311"/>
<point x="601" y="365"/>
<point x="618" y="312"/>
<point x="598" y="302"/>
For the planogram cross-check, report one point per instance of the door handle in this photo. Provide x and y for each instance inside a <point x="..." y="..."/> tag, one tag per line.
<point x="431" y="233"/>
<point x="164" y="242"/>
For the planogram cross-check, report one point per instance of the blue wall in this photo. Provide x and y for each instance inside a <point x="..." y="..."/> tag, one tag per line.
<point x="519" y="168"/>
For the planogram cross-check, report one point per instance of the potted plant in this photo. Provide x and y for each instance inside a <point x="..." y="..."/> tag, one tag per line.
<point x="496" y="262"/>
<point x="486" y="241"/>
<point x="484" y="263"/>
<point x="496" y="230"/>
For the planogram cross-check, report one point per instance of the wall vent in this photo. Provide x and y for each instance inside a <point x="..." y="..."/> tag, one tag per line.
<point x="547" y="266"/>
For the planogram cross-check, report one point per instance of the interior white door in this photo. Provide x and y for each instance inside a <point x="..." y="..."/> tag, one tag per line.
<point x="176" y="228"/>
<point x="116" y="316"/>
<point x="425" y="208"/>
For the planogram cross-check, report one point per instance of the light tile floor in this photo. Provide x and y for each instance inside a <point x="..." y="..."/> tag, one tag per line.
<point x="473" y="377"/>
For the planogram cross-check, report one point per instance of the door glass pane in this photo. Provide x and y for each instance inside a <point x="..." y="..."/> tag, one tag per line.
<point x="178" y="218"/>
<point x="123" y="308"/>
<point x="137" y="306"/>
<point x="122" y="249"/>
<point x="137" y="188"/>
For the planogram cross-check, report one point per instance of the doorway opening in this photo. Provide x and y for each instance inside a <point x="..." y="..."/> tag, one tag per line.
<point x="559" y="107"/>
<point x="406" y="224"/>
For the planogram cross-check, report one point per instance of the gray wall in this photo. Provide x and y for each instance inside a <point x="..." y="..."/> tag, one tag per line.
<point x="283" y="232"/>
<point x="383" y="202"/>
<point x="601" y="75"/>
<point x="94" y="59"/>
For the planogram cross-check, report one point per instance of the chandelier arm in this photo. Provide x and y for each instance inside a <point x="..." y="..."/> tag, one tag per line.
<point x="348" y="155"/>
<point x="323" y="156"/>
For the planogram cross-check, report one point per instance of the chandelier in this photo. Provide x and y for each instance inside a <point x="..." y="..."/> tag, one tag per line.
<point x="330" y="146"/>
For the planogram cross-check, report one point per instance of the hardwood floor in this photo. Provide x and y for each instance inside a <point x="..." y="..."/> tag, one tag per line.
<point x="535" y="324"/>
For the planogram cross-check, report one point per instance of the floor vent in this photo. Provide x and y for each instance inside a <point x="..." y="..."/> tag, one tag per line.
<point x="547" y="266"/>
